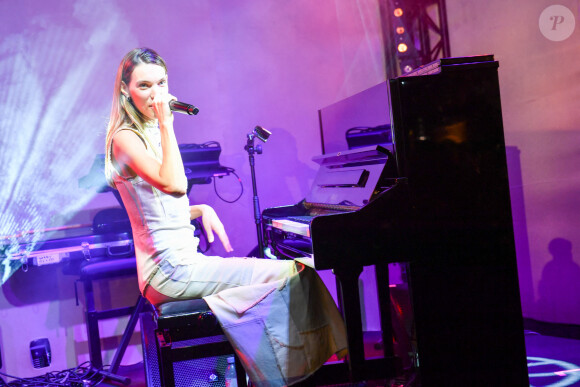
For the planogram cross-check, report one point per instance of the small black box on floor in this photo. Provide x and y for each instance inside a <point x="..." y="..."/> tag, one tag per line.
<point x="40" y="353"/>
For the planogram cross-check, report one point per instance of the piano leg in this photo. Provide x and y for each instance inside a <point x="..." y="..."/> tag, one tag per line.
<point x="384" y="298"/>
<point x="360" y="369"/>
<point x="350" y="306"/>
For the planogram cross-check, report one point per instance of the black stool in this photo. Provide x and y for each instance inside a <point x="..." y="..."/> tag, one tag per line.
<point x="183" y="322"/>
<point x="186" y="322"/>
<point x="107" y="269"/>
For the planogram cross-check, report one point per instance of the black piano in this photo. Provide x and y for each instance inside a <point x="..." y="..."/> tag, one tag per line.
<point x="439" y="201"/>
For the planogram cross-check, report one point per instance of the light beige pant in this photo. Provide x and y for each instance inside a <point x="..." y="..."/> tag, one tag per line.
<point x="277" y="314"/>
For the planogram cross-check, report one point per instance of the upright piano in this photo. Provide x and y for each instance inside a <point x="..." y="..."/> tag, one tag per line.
<point x="439" y="201"/>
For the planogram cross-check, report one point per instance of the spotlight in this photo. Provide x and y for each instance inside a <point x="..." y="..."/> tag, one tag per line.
<point x="400" y="30"/>
<point x="402" y="47"/>
<point x="398" y="12"/>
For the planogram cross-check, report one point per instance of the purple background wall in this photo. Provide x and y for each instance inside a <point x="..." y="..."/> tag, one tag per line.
<point x="259" y="63"/>
<point x="540" y="90"/>
<point x="243" y="63"/>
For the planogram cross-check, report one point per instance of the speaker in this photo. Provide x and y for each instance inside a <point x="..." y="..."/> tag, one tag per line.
<point x="205" y="372"/>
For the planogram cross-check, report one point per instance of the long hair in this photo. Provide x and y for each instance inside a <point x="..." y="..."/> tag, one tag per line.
<point x="123" y="112"/>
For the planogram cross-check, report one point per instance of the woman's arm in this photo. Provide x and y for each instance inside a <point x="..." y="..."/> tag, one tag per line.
<point x="211" y="223"/>
<point x="132" y="156"/>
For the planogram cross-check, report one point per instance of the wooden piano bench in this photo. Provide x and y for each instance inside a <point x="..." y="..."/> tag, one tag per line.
<point x="185" y="331"/>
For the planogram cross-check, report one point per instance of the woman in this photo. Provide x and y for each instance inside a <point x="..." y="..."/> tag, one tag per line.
<point x="278" y="315"/>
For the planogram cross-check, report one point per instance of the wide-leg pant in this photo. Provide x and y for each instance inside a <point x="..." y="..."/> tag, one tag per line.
<point x="278" y="315"/>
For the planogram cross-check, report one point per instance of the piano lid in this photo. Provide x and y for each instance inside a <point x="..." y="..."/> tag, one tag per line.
<point x="451" y="64"/>
<point x="348" y="178"/>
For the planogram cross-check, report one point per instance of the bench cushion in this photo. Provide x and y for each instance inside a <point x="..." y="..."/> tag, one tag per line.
<point x="188" y="315"/>
<point x="108" y="269"/>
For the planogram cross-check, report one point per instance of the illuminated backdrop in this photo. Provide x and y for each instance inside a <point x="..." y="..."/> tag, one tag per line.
<point x="274" y="64"/>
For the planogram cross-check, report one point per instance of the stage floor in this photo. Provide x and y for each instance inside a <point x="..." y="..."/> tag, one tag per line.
<point x="552" y="362"/>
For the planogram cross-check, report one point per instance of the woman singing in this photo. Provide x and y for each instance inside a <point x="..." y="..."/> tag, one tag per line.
<point x="278" y="315"/>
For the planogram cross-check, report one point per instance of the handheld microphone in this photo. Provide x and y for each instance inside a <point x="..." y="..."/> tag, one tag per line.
<point x="182" y="107"/>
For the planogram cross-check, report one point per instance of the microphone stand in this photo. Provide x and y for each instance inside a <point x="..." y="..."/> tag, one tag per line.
<point x="261" y="134"/>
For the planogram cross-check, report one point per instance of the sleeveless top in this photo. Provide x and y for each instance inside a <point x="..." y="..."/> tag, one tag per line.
<point x="160" y="222"/>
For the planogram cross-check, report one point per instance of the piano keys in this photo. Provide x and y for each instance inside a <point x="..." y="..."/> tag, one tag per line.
<point x="346" y="182"/>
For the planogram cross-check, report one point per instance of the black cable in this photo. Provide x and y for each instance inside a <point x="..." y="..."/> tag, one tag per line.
<point x="16" y="381"/>
<point x="29" y="382"/>
<point x="86" y="371"/>
<point x="232" y="171"/>
<point x="75" y="377"/>
<point x="209" y="143"/>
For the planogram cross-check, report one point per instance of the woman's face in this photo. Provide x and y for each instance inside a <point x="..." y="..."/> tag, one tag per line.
<point x="147" y="81"/>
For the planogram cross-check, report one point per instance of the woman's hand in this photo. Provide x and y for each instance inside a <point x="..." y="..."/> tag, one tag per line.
<point x="161" y="108"/>
<point x="211" y="223"/>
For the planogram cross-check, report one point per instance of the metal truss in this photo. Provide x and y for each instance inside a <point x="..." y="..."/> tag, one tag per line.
<point x="415" y="33"/>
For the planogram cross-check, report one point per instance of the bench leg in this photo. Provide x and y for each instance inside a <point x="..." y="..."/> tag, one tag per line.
<point x="240" y="373"/>
<point x="93" y="335"/>
<point x="164" y="359"/>
<point x="139" y="306"/>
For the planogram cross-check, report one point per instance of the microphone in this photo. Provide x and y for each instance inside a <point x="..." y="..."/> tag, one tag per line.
<point x="182" y="107"/>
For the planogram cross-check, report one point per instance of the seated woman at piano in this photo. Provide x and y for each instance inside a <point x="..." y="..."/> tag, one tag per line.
<point x="278" y="315"/>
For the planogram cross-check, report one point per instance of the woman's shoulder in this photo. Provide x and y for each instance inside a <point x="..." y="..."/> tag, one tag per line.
<point x="128" y="133"/>
<point x="128" y="127"/>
